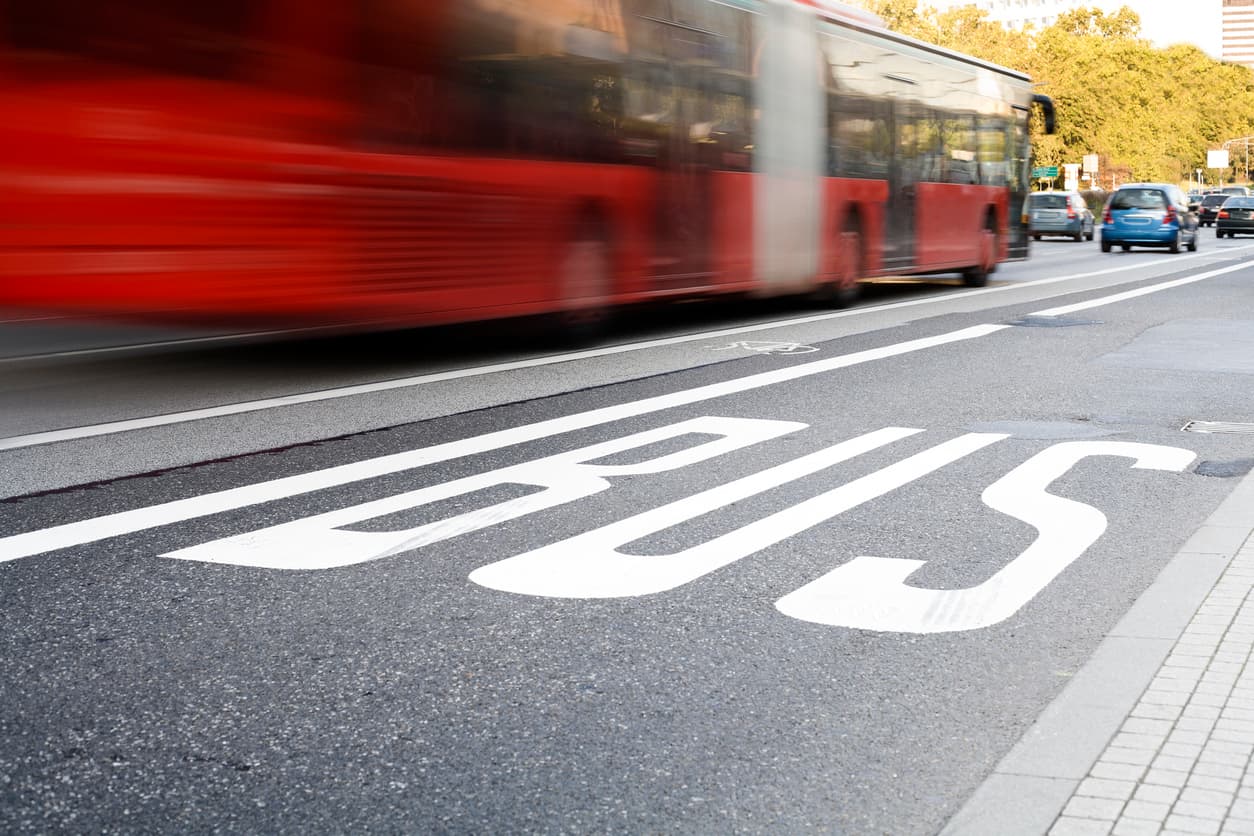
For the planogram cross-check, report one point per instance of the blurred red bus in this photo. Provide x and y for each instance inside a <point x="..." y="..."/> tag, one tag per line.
<point x="422" y="161"/>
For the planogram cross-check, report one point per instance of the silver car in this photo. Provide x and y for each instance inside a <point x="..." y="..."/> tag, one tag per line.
<point x="1059" y="213"/>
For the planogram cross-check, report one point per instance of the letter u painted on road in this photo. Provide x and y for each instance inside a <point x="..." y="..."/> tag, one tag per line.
<point x="591" y="565"/>
<point x="871" y="592"/>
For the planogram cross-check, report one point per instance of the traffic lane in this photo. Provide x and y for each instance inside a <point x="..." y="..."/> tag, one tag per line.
<point x="399" y="684"/>
<point x="43" y="398"/>
<point x="698" y="706"/>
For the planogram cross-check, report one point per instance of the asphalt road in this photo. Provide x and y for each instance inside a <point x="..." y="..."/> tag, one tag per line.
<point x="661" y="585"/>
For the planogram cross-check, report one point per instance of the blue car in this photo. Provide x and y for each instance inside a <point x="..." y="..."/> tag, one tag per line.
<point x="1149" y="215"/>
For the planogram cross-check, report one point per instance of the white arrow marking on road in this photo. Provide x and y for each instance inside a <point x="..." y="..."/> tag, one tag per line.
<point x="318" y="542"/>
<point x="870" y="593"/>
<point x="590" y="565"/>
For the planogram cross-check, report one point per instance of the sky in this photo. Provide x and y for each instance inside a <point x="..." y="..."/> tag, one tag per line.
<point x="1166" y="22"/>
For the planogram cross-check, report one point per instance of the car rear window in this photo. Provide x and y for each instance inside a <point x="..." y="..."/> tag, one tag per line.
<point x="1214" y="199"/>
<point x="1138" y="199"/>
<point x="1049" y="201"/>
<point x="1239" y="203"/>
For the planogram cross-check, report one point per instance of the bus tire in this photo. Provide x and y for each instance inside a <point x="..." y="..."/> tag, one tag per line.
<point x="585" y="283"/>
<point x="977" y="275"/>
<point x="843" y="291"/>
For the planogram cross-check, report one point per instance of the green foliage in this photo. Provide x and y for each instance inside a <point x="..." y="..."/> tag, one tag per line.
<point x="1150" y="114"/>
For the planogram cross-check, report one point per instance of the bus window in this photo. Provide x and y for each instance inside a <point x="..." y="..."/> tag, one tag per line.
<point x="993" y="148"/>
<point x="960" y="150"/>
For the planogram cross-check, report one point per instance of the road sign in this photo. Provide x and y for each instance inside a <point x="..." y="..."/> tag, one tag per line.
<point x="1044" y="171"/>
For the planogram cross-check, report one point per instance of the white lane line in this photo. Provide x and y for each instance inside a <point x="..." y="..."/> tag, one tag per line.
<point x="113" y="349"/>
<point x="125" y="522"/>
<point x="1140" y="291"/>
<point x="110" y="427"/>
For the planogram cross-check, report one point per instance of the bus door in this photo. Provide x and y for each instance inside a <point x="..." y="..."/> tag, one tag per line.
<point x="903" y="173"/>
<point x="682" y="255"/>
<point x="1019" y="154"/>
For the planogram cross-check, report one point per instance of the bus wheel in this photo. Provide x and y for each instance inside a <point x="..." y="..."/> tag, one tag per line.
<point x="584" y="284"/>
<point x="843" y="290"/>
<point x="977" y="275"/>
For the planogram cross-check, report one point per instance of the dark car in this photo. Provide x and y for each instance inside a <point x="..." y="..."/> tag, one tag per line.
<point x="1209" y="207"/>
<point x="1059" y="213"/>
<point x="1236" y="217"/>
<point x="1148" y="215"/>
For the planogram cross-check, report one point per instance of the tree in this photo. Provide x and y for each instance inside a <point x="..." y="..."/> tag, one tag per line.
<point x="1149" y="113"/>
<point x="1124" y="23"/>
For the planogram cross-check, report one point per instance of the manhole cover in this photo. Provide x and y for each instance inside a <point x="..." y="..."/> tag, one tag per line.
<point x="1052" y="321"/>
<point x="1224" y="470"/>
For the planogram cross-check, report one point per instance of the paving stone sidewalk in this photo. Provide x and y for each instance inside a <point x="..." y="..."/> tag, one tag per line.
<point x="1155" y="734"/>
<point x="1180" y="763"/>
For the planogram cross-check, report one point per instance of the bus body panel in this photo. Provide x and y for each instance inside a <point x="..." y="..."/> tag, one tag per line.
<point x="948" y="219"/>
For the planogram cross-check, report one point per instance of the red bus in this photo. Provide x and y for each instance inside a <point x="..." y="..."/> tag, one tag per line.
<point x="420" y="161"/>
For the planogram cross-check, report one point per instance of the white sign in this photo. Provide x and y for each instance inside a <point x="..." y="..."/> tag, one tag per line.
<point x="1090" y="163"/>
<point x="1071" y="180"/>
<point x="1217" y="159"/>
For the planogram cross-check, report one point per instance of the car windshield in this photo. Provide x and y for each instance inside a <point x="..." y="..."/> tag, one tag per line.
<point x="1138" y="199"/>
<point x="1214" y="199"/>
<point x="1049" y="201"/>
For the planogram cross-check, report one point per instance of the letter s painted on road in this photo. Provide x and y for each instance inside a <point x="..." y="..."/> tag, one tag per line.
<point x="870" y="593"/>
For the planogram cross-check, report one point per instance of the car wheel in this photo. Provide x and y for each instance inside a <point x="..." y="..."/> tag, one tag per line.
<point x="1089" y="237"/>
<point x="1193" y="242"/>
<point x="1036" y="237"/>
<point x="1105" y="246"/>
<point x="1125" y="247"/>
<point x="1174" y="246"/>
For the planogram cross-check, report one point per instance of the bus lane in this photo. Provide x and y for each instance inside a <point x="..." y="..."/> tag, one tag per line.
<point x="783" y="592"/>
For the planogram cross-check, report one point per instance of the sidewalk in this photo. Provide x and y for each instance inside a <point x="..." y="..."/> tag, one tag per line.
<point x="1155" y="733"/>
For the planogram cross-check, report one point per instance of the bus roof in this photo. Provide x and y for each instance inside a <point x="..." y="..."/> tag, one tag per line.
<point x="873" y="24"/>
